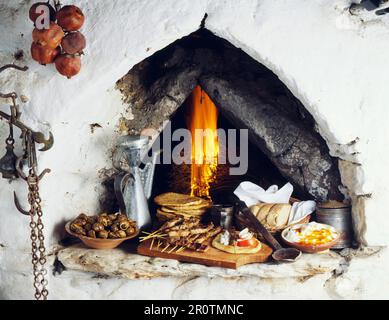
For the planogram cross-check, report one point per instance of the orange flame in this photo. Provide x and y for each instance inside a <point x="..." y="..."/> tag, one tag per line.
<point x="205" y="145"/>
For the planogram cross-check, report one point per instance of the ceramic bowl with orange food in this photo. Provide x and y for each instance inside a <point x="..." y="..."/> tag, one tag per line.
<point x="311" y="237"/>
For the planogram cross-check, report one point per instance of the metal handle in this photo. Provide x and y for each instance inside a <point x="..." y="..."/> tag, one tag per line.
<point x="120" y="183"/>
<point x="147" y="174"/>
<point x="257" y="225"/>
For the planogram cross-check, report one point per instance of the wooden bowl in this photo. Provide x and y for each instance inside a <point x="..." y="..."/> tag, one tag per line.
<point x="309" y="248"/>
<point x="100" y="243"/>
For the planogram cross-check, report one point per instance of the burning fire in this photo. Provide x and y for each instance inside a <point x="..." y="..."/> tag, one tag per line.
<point x="205" y="145"/>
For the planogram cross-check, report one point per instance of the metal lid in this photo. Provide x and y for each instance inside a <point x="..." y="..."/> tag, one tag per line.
<point x="332" y="204"/>
<point x="133" y="141"/>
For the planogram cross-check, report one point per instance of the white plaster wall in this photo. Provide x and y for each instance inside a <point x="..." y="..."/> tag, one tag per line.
<point x="334" y="63"/>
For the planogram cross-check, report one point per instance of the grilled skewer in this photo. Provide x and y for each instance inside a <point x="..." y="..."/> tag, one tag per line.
<point x="183" y="234"/>
<point x="171" y="223"/>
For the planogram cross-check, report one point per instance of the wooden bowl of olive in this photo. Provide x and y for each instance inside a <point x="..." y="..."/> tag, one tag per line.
<point x="105" y="231"/>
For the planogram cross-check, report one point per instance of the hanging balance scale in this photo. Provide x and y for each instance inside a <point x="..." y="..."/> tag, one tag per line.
<point x="13" y="167"/>
<point x="8" y="162"/>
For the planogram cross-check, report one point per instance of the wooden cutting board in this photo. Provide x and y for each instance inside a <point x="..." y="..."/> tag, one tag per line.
<point x="212" y="257"/>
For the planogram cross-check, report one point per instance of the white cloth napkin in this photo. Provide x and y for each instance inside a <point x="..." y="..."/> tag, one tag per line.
<point x="300" y="210"/>
<point x="252" y="194"/>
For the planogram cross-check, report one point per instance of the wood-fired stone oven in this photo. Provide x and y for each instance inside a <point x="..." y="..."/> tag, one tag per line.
<point x="308" y="80"/>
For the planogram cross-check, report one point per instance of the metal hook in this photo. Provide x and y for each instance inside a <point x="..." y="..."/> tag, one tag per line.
<point x="19" y="207"/>
<point x="14" y="117"/>
<point x="12" y="95"/>
<point x="25" y="178"/>
<point x="16" y="199"/>
<point x="43" y="173"/>
<point x="14" y="66"/>
<point x="38" y="137"/>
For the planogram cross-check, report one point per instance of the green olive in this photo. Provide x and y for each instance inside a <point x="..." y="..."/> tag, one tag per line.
<point x="91" y="234"/>
<point x="130" y="231"/>
<point x="103" y="234"/>
<point x="98" y="227"/>
<point x="112" y="235"/>
<point x="121" y="234"/>
<point x="124" y="224"/>
<point x="115" y="227"/>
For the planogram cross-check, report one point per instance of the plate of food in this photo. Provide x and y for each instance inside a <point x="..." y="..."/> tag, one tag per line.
<point x="237" y="242"/>
<point x="105" y="231"/>
<point x="311" y="237"/>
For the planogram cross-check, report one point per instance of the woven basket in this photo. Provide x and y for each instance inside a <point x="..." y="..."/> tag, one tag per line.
<point x="242" y="224"/>
<point x="303" y="220"/>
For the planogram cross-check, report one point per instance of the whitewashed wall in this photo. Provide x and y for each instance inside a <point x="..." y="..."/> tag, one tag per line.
<point x="336" y="64"/>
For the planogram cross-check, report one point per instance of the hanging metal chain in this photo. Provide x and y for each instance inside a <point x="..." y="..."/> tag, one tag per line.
<point x="10" y="140"/>
<point x="38" y="249"/>
<point x="37" y="238"/>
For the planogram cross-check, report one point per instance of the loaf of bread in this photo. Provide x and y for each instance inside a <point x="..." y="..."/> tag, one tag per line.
<point x="273" y="216"/>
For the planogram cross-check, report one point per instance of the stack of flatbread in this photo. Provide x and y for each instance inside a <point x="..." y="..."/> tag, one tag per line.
<point x="273" y="216"/>
<point x="176" y="204"/>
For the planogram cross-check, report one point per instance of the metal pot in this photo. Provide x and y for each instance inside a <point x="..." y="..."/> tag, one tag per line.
<point x="338" y="215"/>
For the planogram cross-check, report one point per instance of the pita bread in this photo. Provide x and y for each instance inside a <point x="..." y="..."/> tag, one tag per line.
<point x="167" y="210"/>
<point x="177" y="199"/>
<point x="166" y="214"/>
<point x="202" y="205"/>
<point x="161" y="218"/>
<point x="235" y="249"/>
<point x="170" y="216"/>
<point x="190" y="212"/>
<point x="187" y="208"/>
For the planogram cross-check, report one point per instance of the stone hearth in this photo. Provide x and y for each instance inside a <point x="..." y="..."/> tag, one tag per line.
<point x="120" y="263"/>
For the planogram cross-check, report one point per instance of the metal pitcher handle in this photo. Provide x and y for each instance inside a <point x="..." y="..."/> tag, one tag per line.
<point x="121" y="181"/>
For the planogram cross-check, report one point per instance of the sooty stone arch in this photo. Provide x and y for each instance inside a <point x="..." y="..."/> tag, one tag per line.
<point x="247" y="93"/>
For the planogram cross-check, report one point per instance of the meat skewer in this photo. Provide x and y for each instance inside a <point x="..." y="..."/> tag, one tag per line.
<point x="184" y="234"/>
<point x="171" y="223"/>
<point x="196" y="241"/>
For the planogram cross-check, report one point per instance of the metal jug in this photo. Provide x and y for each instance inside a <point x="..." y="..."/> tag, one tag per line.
<point x="133" y="185"/>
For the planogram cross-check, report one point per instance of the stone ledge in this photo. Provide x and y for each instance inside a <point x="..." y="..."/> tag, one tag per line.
<point x="119" y="263"/>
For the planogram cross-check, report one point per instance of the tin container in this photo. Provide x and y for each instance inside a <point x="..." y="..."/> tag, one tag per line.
<point x="222" y="215"/>
<point x="338" y="215"/>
